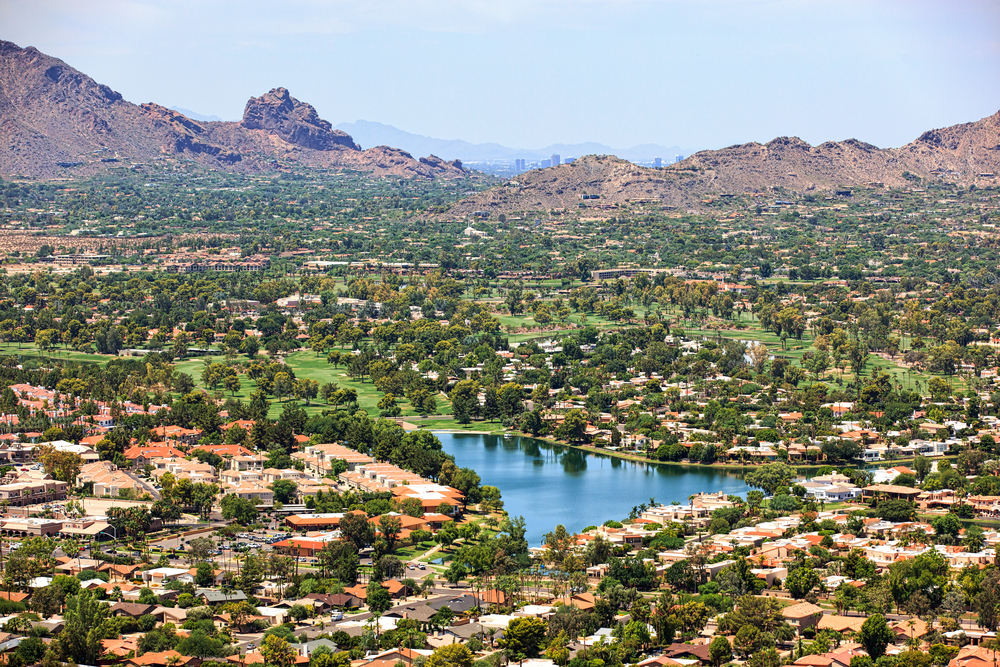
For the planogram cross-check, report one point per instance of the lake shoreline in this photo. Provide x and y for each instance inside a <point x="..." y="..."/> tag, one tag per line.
<point x="625" y="456"/>
<point x="550" y="483"/>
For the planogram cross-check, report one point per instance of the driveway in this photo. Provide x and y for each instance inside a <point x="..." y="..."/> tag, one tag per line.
<point x="146" y="486"/>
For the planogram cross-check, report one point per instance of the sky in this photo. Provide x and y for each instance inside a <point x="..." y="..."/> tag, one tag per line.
<point x="529" y="73"/>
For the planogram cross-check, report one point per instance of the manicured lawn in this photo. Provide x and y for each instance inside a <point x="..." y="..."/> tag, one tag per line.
<point x="795" y="349"/>
<point x="411" y="552"/>
<point x="57" y="354"/>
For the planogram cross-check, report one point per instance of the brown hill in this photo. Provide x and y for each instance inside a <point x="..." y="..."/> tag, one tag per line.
<point x="55" y="120"/>
<point x="967" y="153"/>
<point x="605" y="180"/>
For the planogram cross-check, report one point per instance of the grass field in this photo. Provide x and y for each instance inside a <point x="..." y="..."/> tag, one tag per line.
<point x="59" y="354"/>
<point x="795" y="349"/>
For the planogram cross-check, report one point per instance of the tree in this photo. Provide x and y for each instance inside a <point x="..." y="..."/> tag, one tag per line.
<point x="720" y="651"/>
<point x="785" y="503"/>
<point x="85" y="627"/>
<point x="64" y="466"/>
<point x="356" y="528"/>
<point x="298" y="612"/>
<point x="340" y="559"/>
<point x="204" y="574"/>
<point x="377" y="598"/>
<point x="922" y="466"/>
<point x="875" y="635"/>
<point x="574" y="426"/>
<point x="947" y="525"/>
<point x="200" y="645"/>
<point x="770" y="477"/>
<point x="801" y="580"/>
<point x="200" y="549"/>
<point x="284" y="490"/>
<point x="896" y="510"/>
<point x="975" y="539"/>
<point x="389" y="527"/>
<point x="450" y="655"/>
<point x="464" y="400"/>
<point x="455" y="572"/>
<point x="242" y="510"/>
<point x="277" y="651"/>
<point x="522" y="637"/>
<point x="388" y="567"/>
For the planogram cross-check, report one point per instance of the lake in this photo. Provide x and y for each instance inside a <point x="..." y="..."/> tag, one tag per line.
<point x="549" y="484"/>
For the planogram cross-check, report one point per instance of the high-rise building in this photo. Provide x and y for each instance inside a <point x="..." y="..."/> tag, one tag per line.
<point x="546" y="164"/>
<point x="519" y="164"/>
<point x="555" y="160"/>
<point x="657" y="162"/>
<point x="569" y="160"/>
<point x="678" y="158"/>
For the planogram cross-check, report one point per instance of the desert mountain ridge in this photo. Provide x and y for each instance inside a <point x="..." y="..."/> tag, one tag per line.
<point x="968" y="154"/>
<point x="56" y="121"/>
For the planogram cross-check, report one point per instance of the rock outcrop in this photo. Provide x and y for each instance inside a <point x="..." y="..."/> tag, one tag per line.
<point x="296" y="122"/>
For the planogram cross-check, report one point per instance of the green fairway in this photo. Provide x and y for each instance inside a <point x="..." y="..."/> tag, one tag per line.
<point x="31" y="351"/>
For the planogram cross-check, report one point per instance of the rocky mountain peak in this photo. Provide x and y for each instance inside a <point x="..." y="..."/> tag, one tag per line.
<point x="296" y="122"/>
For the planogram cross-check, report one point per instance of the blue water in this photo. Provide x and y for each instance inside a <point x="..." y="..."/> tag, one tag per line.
<point x="550" y="485"/>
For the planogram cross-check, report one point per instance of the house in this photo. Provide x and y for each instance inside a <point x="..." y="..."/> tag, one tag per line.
<point x="832" y="492"/>
<point x="162" y="575"/>
<point x="582" y="601"/>
<point x="189" y="578"/>
<point x="141" y="455"/>
<point x="224" y="450"/>
<point x="186" y="436"/>
<point x="339" y="600"/>
<point x="825" y="660"/>
<point x="803" y="615"/>
<point x="841" y="623"/>
<point x="306" y="648"/>
<point x="255" y="657"/>
<point x="212" y="597"/>
<point x="131" y="609"/>
<point x="460" y="604"/>
<point x="163" y="659"/>
<point x="418" y="612"/>
<point x="910" y="628"/>
<point x="659" y="661"/>
<point x="688" y="652"/>
<point x="889" y="491"/>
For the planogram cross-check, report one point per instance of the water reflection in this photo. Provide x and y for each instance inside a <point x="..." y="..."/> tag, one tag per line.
<point x="578" y="488"/>
<point x="574" y="461"/>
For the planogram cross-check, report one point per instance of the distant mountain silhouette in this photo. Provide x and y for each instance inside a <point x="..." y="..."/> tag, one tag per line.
<point x="369" y="133"/>
<point x="194" y="115"/>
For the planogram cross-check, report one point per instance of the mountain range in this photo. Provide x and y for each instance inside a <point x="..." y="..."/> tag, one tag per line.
<point x="56" y="121"/>
<point x="968" y="154"/>
<point x="369" y="133"/>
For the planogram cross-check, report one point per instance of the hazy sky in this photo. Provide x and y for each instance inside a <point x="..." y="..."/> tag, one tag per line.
<point x="527" y="73"/>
